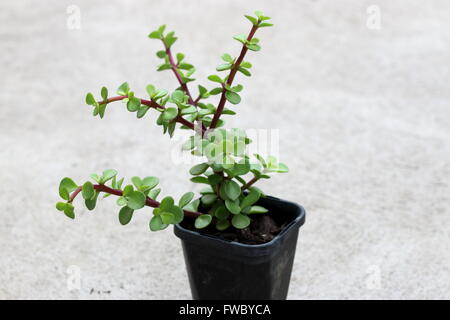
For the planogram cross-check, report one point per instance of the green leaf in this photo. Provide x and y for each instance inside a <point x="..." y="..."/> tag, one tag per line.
<point x="225" y="66"/>
<point x="151" y="90"/>
<point x="200" y="179"/>
<point x="265" y="24"/>
<point x="60" y="206"/>
<point x="245" y="64"/>
<point x="133" y="104"/>
<point x="208" y="199"/>
<point x="250" y="199"/>
<point x="233" y="97"/>
<point x="189" y="110"/>
<point x="123" y="89"/>
<point x="170" y="113"/>
<point x="95" y="177"/>
<point x="108" y="175"/>
<point x="253" y="20"/>
<point x="88" y="190"/>
<point x="185" y="199"/>
<point x="215" y="78"/>
<point x="90" y="99"/>
<point x="233" y="206"/>
<point x="259" y="14"/>
<point x="66" y="186"/>
<point x="142" y="111"/>
<point x="241" y="38"/>
<point x="237" y="88"/>
<point x="257" y="209"/>
<point x="227" y="58"/>
<point x="231" y="189"/>
<point x="155" y="35"/>
<point x="199" y="169"/>
<point x="240" y="221"/>
<point x="253" y="47"/>
<point x="153" y="194"/>
<point x="167" y="217"/>
<point x="203" y="221"/>
<point x="161" y="54"/>
<point x="164" y="66"/>
<point x="215" y="91"/>
<point x="170" y="39"/>
<point x="178" y="214"/>
<point x="222" y="225"/>
<point x="122" y="201"/>
<point x="214" y="179"/>
<point x="193" y="206"/>
<point x="95" y="111"/>
<point x="166" y="204"/>
<point x="101" y="110"/>
<point x="69" y="211"/>
<point x="222" y="213"/>
<point x="171" y="128"/>
<point x="202" y="91"/>
<point x="180" y="57"/>
<point x="156" y="224"/>
<point x="244" y="71"/>
<point x="91" y="203"/>
<point x="125" y="215"/>
<point x="136" y="181"/>
<point x="177" y="96"/>
<point x="185" y="66"/>
<point x="104" y="93"/>
<point x="150" y="182"/>
<point x="136" y="200"/>
<point x="127" y="190"/>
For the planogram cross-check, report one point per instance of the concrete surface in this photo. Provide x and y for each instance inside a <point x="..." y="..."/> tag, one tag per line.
<point x="364" y="117"/>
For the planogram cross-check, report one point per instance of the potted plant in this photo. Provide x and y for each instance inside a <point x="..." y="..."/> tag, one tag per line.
<point x="238" y="243"/>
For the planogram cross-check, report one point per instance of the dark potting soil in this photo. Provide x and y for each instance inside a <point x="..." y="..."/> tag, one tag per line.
<point x="262" y="229"/>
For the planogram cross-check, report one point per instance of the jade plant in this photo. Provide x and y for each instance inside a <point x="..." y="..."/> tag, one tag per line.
<point x="229" y="173"/>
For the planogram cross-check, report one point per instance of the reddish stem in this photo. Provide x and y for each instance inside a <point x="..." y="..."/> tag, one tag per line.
<point x="249" y="183"/>
<point x="183" y="85"/>
<point x="173" y="66"/>
<point x="230" y="79"/>
<point x="152" y="104"/>
<point x="148" y="202"/>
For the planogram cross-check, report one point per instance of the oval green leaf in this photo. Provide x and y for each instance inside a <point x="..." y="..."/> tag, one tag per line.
<point x="240" y="221"/>
<point x="125" y="215"/>
<point x="203" y="221"/>
<point x="136" y="200"/>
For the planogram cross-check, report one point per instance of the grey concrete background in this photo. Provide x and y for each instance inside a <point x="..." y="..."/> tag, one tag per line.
<point x="364" y="117"/>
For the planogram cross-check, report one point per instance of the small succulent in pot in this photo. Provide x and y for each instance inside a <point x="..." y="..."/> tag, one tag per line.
<point x="226" y="169"/>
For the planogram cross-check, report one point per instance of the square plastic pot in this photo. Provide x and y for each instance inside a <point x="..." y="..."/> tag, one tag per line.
<point x="221" y="269"/>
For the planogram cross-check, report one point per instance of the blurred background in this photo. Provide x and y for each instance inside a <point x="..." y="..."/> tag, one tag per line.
<point x="358" y="89"/>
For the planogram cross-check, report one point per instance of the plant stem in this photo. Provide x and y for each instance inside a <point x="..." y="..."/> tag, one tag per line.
<point x="249" y="183"/>
<point x="177" y="75"/>
<point x="155" y="105"/>
<point x="183" y="85"/>
<point x="74" y="194"/>
<point x="148" y="202"/>
<point x="230" y="79"/>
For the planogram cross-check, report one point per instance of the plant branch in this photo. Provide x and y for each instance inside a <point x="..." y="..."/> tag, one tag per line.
<point x="230" y="79"/>
<point x="151" y="104"/>
<point x="249" y="183"/>
<point x="173" y="66"/>
<point x="183" y="85"/>
<point x="148" y="202"/>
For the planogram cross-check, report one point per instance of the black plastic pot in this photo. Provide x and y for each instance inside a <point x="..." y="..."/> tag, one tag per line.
<point x="221" y="269"/>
